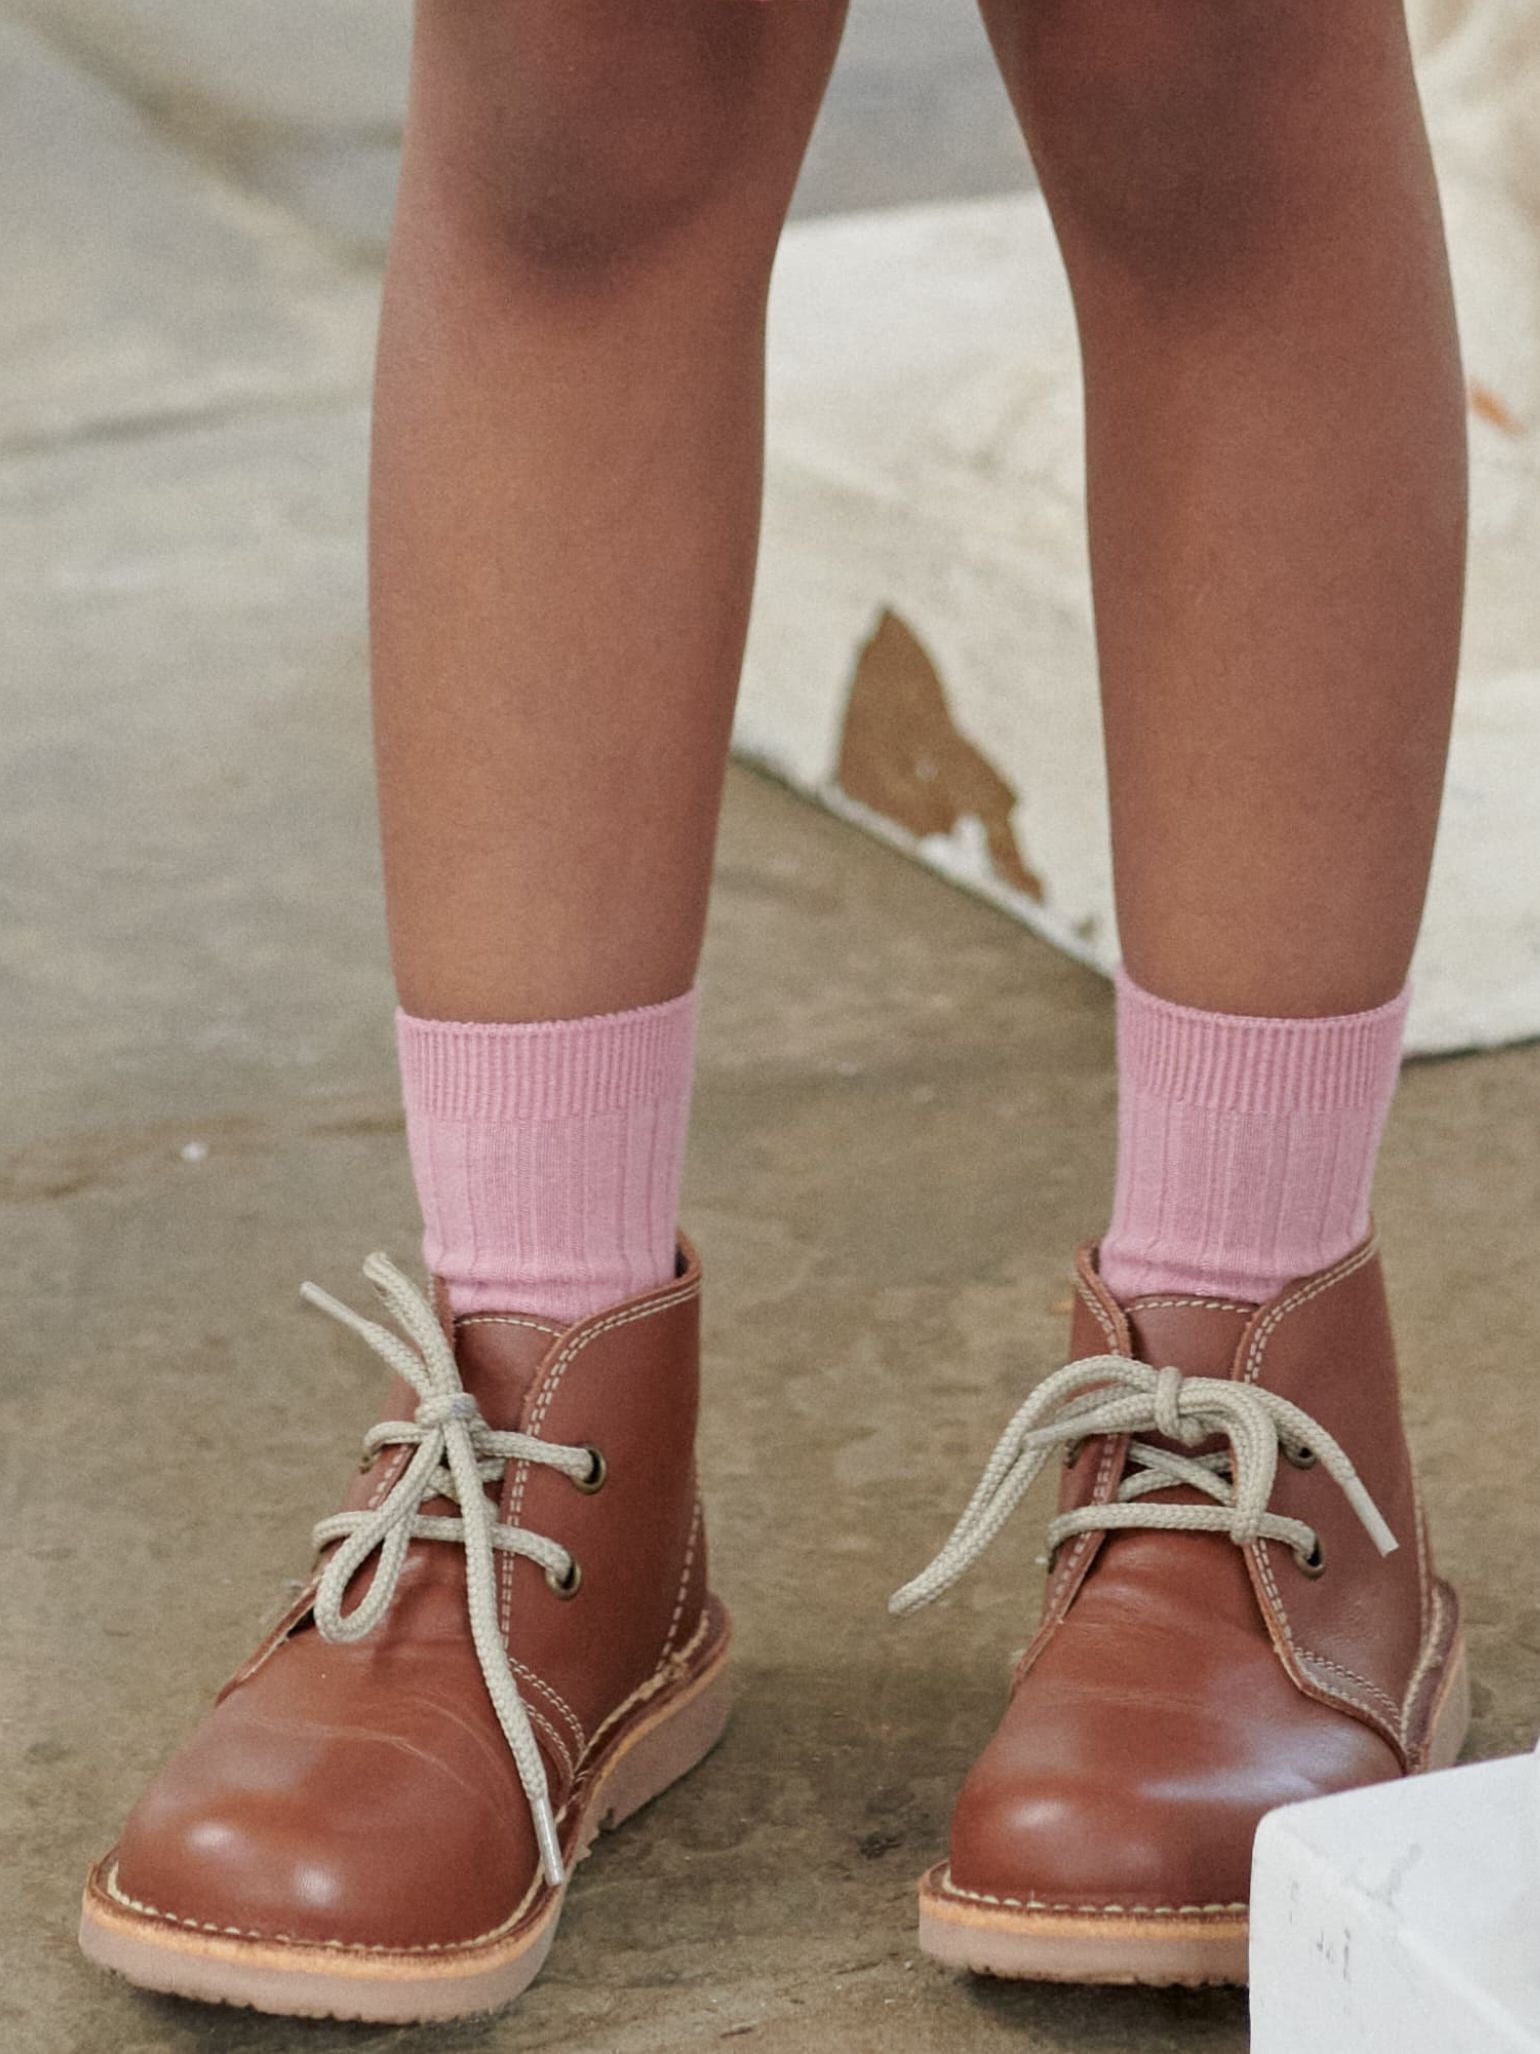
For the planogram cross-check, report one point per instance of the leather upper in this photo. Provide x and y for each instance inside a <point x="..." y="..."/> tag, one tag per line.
<point x="1179" y="1685"/>
<point x="363" y="1793"/>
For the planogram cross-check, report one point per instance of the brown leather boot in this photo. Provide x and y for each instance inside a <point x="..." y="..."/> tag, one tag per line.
<point x="1224" y="1630"/>
<point x="508" y="1645"/>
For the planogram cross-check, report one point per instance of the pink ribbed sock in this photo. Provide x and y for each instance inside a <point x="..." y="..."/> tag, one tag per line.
<point x="1246" y="1147"/>
<point x="548" y="1154"/>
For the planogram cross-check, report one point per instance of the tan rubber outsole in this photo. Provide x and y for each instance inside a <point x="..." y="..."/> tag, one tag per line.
<point x="382" y="1987"/>
<point x="1189" y="1945"/>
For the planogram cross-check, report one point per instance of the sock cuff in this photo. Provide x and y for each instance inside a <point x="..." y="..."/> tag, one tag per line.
<point x="1234" y="1062"/>
<point x="537" y="1070"/>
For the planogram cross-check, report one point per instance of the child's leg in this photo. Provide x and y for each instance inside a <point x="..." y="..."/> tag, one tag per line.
<point x="566" y="481"/>
<point x="1275" y="442"/>
<point x="565" y="516"/>
<point x="1276" y="465"/>
<point x="1243" y="196"/>
<point x="376" y="1819"/>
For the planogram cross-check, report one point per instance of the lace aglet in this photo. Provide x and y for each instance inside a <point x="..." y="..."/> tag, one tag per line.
<point x="1370" y="1516"/>
<point x="550" y="1846"/>
<point x="325" y="1302"/>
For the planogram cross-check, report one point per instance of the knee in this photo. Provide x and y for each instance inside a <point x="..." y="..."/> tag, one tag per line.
<point x="1170" y="135"/>
<point x="578" y="141"/>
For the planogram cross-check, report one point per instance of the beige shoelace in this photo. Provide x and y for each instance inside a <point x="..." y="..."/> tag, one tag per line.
<point x="1109" y="1394"/>
<point x="457" y="1455"/>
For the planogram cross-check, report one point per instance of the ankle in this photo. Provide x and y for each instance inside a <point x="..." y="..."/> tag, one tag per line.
<point x="1246" y="1147"/>
<point x="548" y="1155"/>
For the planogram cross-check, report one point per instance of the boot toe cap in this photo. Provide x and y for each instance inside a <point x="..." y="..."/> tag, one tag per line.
<point x="1117" y="1805"/>
<point x="398" y="1836"/>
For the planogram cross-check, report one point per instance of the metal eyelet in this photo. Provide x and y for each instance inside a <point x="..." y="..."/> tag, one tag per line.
<point x="1313" y="1564"/>
<point x="598" y="1470"/>
<point x="1073" y="1451"/>
<point x="367" y="1460"/>
<point x="568" y="1585"/>
<point x="1301" y="1456"/>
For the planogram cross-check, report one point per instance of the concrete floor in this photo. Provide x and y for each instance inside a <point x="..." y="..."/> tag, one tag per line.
<point x="904" y="1121"/>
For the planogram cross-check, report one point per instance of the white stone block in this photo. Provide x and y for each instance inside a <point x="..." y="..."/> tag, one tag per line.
<point x="1402" y="1919"/>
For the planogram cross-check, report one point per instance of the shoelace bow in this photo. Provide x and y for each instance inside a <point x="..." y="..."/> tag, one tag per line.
<point x="456" y="1456"/>
<point x="1110" y="1394"/>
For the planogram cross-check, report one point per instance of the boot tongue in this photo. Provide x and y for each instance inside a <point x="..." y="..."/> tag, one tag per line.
<point x="1198" y="1336"/>
<point x="1202" y="1338"/>
<point x="500" y="1354"/>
